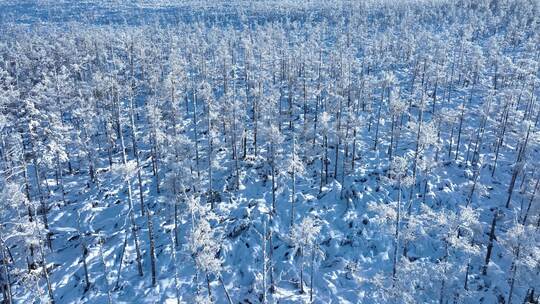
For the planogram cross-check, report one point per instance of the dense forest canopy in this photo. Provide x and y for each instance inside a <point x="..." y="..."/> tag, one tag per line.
<point x="270" y="151"/>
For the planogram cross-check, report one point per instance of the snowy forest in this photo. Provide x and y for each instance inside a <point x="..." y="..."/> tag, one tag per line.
<point x="270" y="151"/>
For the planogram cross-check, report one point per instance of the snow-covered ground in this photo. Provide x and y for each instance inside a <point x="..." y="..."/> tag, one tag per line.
<point x="270" y="151"/>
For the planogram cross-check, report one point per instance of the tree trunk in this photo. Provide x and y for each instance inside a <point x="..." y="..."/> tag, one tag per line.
<point x="210" y="151"/>
<point x="196" y="136"/>
<point x="338" y="140"/>
<point x="130" y="205"/>
<point x="175" y="220"/>
<point x="390" y="151"/>
<point x="43" y="204"/>
<point x="264" y="239"/>
<point x="353" y="156"/>
<point x="270" y="256"/>
<point x="152" y="246"/>
<point x="122" y="252"/>
<point x="500" y="141"/>
<point x="85" y="265"/>
<point x="8" y="296"/>
<point x="490" y="243"/>
<point x="301" y="270"/>
<point x="378" y="119"/>
<point x="225" y="290"/>
<point x="312" y="275"/>
<point x="459" y="128"/>
<point x="60" y="178"/>
<point x="105" y="269"/>
<point x="46" y="274"/>
<point x="208" y="287"/>
<point x="293" y="182"/>
<point x="273" y="169"/>
<point x="396" y="234"/>
<point x="513" y="270"/>
<point x="517" y="167"/>
<point x="524" y="221"/>
<point x="443" y="283"/>
<point x="416" y="150"/>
